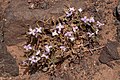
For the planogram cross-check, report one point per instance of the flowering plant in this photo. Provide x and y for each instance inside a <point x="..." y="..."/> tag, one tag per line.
<point x="50" y="45"/>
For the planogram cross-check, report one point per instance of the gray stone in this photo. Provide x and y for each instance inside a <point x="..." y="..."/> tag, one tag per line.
<point x="109" y="53"/>
<point x="116" y="11"/>
<point x="8" y="66"/>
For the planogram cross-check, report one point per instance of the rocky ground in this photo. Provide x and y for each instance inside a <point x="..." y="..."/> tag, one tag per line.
<point x="18" y="15"/>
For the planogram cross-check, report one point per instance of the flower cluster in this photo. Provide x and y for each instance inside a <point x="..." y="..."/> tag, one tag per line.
<point x="47" y="46"/>
<point x="35" y="31"/>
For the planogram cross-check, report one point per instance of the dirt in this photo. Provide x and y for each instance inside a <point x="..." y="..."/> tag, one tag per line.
<point x="18" y="18"/>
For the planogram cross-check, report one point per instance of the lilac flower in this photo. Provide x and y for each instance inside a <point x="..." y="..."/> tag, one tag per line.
<point x="28" y="47"/>
<point x="68" y="14"/>
<point x="59" y="27"/>
<point x="63" y="48"/>
<point x="72" y="38"/>
<point x="39" y="30"/>
<point x="69" y="34"/>
<point x="54" y="33"/>
<point x="91" y="20"/>
<point x="38" y="52"/>
<point x="75" y="29"/>
<point x="85" y="20"/>
<point x="72" y="9"/>
<point x="24" y="63"/>
<point x="97" y="30"/>
<point x="47" y="48"/>
<point x="32" y="31"/>
<point x="80" y="10"/>
<point x="99" y="24"/>
<point x="37" y="58"/>
<point x="43" y="55"/>
<point x="90" y="34"/>
<point x="34" y="59"/>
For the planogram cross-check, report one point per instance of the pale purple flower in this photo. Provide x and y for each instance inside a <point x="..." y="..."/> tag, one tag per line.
<point x="63" y="48"/>
<point x="32" y="31"/>
<point x="85" y="19"/>
<point x="72" y="38"/>
<point x="99" y="24"/>
<point x="34" y="59"/>
<point x="54" y="33"/>
<point x="38" y="52"/>
<point x="59" y="27"/>
<point x="24" y="63"/>
<point x="68" y="14"/>
<point x="97" y="30"/>
<point x="72" y="9"/>
<point x="69" y="34"/>
<point x="37" y="58"/>
<point x="45" y="56"/>
<point x="91" y="20"/>
<point x="39" y="30"/>
<point x="90" y="34"/>
<point x="80" y="10"/>
<point x="47" y="48"/>
<point x="75" y="29"/>
<point x="28" y="47"/>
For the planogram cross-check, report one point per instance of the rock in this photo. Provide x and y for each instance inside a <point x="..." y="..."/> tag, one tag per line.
<point x="8" y="66"/>
<point x="118" y="33"/>
<point x="109" y="52"/>
<point x="116" y="11"/>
